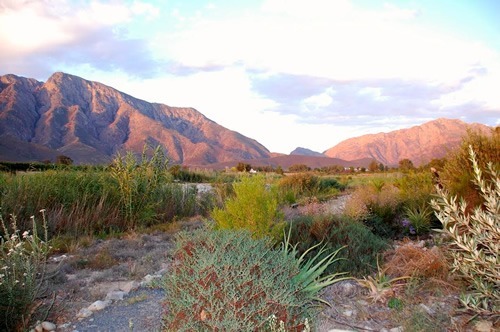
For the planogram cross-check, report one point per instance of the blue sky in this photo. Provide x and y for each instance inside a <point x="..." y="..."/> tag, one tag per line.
<point x="287" y="73"/>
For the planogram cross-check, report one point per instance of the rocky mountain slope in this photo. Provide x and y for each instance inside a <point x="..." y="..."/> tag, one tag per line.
<point x="420" y="144"/>
<point x="306" y="152"/>
<point x="90" y="122"/>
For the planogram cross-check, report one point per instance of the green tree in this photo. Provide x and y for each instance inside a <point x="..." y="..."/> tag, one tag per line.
<point x="299" y="168"/>
<point x="373" y="166"/>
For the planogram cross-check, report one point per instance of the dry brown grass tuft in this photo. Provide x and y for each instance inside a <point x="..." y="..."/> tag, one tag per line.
<point x="412" y="259"/>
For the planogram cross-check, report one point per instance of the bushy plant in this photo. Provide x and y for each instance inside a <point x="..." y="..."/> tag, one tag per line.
<point x="475" y="238"/>
<point x="300" y="184"/>
<point x="458" y="175"/>
<point x="23" y="259"/>
<point x="361" y="246"/>
<point x="418" y="220"/>
<point x="228" y="280"/>
<point x="254" y="207"/>
<point x="377" y="205"/>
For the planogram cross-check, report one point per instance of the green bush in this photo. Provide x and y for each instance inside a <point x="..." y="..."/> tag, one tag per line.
<point x="22" y="273"/>
<point x="361" y="246"/>
<point x="475" y="238"/>
<point x="254" y="207"/>
<point x="458" y="173"/>
<point x="228" y="281"/>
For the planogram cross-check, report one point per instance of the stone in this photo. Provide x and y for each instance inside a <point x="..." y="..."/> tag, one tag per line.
<point x="84" y="313"/>
<point x="396" y="329"/>
<point x="115" y="295"/>
<point x="428" y="310"/>
<point x="48" y="326"/>
<point x="483" y="326"/>
<point x="98" y="305"/>
<point x="347" y="313"/>
<point x="39" y="328"/>
<point x="129" y="286"/>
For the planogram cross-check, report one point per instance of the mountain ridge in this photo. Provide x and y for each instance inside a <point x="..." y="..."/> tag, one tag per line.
<point x="90" y="122"/>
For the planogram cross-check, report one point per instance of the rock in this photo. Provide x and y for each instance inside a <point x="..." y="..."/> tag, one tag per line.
<point x="48" y="326"/>
<point x="39" y="328"/>
<point x="115" y="295"/>
<point x="149" y="278"/>
<point x="98" y="305"/>
<point x="347" y="313"/>
<point x="396" y="329"/>
<point x="428" y="310"/>
<point x="130" y="286"/>
<point x="84" y="313"/>
<point x="483" y="326"/>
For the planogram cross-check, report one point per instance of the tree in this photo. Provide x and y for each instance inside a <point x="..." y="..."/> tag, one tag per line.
<point x="64" y="160"/>
<point x="406" y="165"/>
<point x="299" y="168"/>
<point x="243" y="167"/>
<point x="373" y="167"/>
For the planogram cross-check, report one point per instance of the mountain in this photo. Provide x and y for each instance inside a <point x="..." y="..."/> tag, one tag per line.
<point x="90" y="122"/>
<point x="306" y="152"/>
<point x="420" y="144"/>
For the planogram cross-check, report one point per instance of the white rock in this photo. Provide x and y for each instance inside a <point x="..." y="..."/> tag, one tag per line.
<point x="396" y="329"/>
<point x="39" y="328"/>
<point x="428" y="310"/>
<point x="84" y="313"/>
<point x="48" y="326"/>
<point x="347" y="313"/>
<point x="115" y="295"/>
<point x="98" y="305"/>
<point x="129" y="286"/>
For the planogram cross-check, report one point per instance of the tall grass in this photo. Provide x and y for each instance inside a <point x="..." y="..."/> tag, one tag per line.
<point x="132" y="193"/>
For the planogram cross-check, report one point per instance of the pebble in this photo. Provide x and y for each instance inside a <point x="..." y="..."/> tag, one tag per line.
<point x="84" y="313"/>
<point x="48" y="326"/>
<point x="98" y="305"/>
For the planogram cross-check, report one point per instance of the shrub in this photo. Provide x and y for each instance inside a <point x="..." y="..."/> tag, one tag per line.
<point x="301" y="184"/>
<point x="254" y="207"/>
<point x="418" y="220"/>
<point x="377" y="205"/>
<point x="475" y="238"/>
<point x="361" y="246"/>
<point x="228" y="281"/>
<point x="22" y="273"/>
<point x="458" y="173"/>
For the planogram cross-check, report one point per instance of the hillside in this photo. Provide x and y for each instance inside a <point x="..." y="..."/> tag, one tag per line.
<point x="90" y="122"/>
<point x="420" y="144"/>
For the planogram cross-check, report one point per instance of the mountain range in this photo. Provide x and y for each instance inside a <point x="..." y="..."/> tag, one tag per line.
<point x="90" y="122"/>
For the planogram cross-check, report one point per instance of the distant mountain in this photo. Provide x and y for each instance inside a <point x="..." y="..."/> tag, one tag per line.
<point x="306" y="152"/>
<point x="420" y="144"/>
<point x="90" y="122"/>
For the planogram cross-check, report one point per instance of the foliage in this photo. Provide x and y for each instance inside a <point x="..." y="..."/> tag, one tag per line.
<point x="243" y="167"/>
<point x="377" y="205"/>
<point x="457" y="175"/>
<point x="254" y="207"/>
<point x="299" y="168"/>
<point x="415" y="188"/>
<point x="64" y="160"/>
<point x="418" y="219"/>
<point x="475" y="238"/>
<point x="361" y="245"/>
<point x="183" y="174"/>
<point x="22" y="273"/>
<point x="406" y="165"/>
<point x="381" y="286"/>
<point x="228" y="280"/>
<point x="139" y="182"/>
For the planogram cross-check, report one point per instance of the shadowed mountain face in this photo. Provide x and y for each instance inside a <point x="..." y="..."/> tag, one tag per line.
<point x="420" y="144"/>
<point x="90" y="122"/>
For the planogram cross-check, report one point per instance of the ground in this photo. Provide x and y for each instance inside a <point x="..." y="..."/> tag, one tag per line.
<point x="93" y="268"/>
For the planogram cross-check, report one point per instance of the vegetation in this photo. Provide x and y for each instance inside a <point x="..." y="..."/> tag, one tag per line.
<point x="475" y="238"/>
<point x="23" y="259"/>
<point x="458" y="175"/>
<point x="254" y="207"/>
<point x="361" y="246"/>
<point x="228" y="280"/>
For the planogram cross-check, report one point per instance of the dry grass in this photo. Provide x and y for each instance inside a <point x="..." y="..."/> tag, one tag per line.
<point x="412" y="259"/>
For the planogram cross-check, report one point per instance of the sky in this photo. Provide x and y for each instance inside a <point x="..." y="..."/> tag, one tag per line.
<point x="287" y="73"/>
